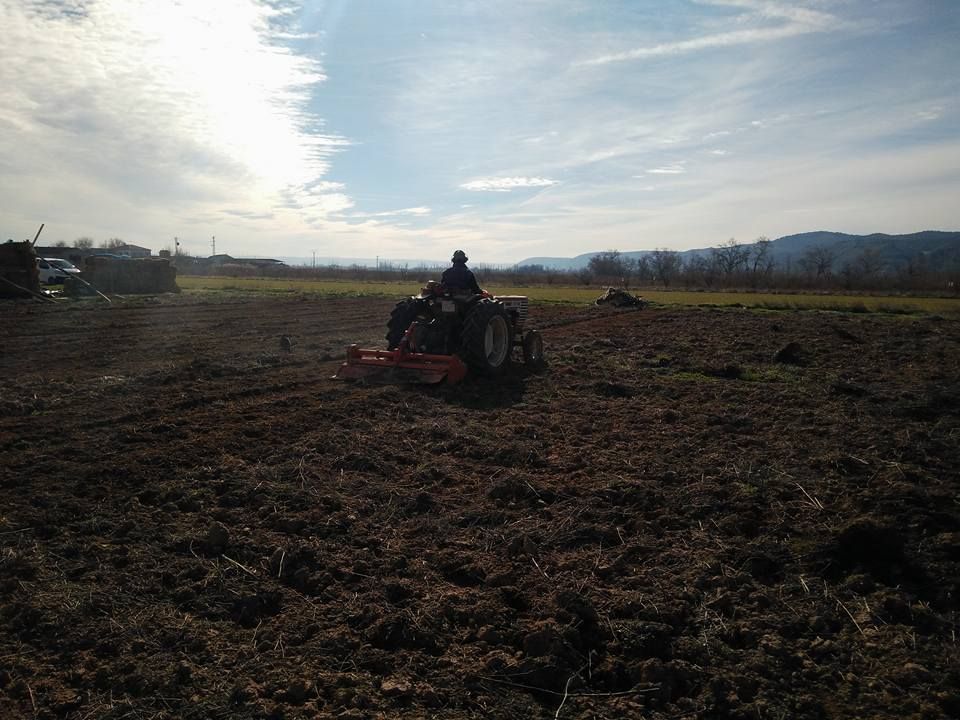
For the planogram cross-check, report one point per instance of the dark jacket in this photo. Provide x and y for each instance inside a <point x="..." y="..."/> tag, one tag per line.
<point x="459" y="277"/>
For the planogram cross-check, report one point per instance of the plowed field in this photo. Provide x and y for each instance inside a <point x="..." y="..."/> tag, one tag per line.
<point x="668" y="522"/>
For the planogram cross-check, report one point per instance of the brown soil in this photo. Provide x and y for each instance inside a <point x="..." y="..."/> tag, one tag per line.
<point x="668" y="522"/>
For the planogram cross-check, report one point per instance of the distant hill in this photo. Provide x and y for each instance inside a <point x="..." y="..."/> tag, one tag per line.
<point x="362" y="262"/>
<point x="939" y="248"/>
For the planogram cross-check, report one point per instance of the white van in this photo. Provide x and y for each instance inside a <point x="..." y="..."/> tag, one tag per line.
<point x="53" y="270"/>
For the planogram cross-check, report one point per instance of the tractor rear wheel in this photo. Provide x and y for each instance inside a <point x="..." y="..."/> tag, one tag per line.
<point x="401" y="316"/>
<point x="487" y="338"/>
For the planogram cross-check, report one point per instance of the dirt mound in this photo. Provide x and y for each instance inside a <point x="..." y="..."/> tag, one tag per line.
<point x="669" y="523"/>
<point x="618" y="297"/>
<point x="793" y="353"/>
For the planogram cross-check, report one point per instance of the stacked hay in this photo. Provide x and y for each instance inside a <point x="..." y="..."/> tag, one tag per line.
<point x="18" y="265"/>
<point x="121" y="275"/>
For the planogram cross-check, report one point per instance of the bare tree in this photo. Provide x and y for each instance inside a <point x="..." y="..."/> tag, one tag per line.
<point x="629" y="271"/>
<point x="761" y="260"/>
<point x="850" y="275"/>
<point x="607" y="265"/>
<point x="60" y="244"/>
<point x="643" y="270"/>
<point x="731" y="257"/>
<point x="870" y="263"/>
<point x="665" y="264"/>
<point x="914" y="272"/>
<point x="584" y="275"/>
<point x="701" y="270"/>
<point x="83" y="243"/>
<point x="817" y="261"/>
<point x="112" y="244"/>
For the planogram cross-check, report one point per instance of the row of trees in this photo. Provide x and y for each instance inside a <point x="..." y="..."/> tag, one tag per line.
<point x="86" y="243"/>
<point x="730" y="265"/>
<point x="736" y="265"/>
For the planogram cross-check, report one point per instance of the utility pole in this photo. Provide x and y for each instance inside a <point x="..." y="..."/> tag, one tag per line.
<point x="314" y="259"/>
<point x="213" y="244"/>
<point x="176" y="245"/>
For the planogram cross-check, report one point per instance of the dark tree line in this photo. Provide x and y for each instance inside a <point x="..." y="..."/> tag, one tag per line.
<point x="731" y="265"/>
<point x="734" y="265"/>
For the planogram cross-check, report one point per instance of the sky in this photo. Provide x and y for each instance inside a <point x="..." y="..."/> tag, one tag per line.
<point x="410" y="128"/>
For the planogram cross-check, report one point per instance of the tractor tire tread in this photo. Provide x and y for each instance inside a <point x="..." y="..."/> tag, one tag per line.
<point x="473" y="334"/>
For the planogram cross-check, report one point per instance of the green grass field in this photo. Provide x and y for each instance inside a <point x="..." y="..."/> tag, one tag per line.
<point x="584" y="295"/>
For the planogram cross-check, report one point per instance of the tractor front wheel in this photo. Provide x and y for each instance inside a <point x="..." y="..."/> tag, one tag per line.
<point x="487" y="338"/>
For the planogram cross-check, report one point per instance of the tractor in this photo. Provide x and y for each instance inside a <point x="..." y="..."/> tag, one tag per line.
<point x="442" y="335"/>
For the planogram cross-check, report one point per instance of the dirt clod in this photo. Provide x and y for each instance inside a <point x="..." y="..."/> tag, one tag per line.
<point x="792" y="353"/>
<point x="298" y="691"/>
<point x="217" y="538"/>
<point x="545" y="641"/>
<point x="396" y="688"/>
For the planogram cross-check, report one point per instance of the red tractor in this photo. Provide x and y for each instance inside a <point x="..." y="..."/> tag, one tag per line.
<point x="439" y="335"/>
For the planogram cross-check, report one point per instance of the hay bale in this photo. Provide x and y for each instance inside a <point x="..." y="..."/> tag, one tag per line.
<point x="73" y="287"/>
<point x="18" y="265"/>
<point x="134" y="276"/>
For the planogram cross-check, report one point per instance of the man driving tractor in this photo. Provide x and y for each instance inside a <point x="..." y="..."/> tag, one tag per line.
<point x="449" y="328"/>
<point x="459" y="277"/>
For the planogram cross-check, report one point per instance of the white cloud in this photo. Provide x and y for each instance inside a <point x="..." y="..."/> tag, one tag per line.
<point x="327" y="186"/>
<point x="316" y="198"/>
<point x="791" y="11"/>
<point x="929" y="114"/>
<point x="177" y="106"/>
<point x="673" y="169"/>
<point x="506" y="184"/>
<point x="410" y="212"/>
<point x="792" y="21"/>
<point x="329" y="203"/>
<point x="735" y="37"/>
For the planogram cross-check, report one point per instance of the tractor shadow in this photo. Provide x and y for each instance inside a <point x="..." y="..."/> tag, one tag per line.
<point x="482" y="393"/>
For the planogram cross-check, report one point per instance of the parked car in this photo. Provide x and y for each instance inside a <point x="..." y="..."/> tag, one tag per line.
<point x="53" y="270"/>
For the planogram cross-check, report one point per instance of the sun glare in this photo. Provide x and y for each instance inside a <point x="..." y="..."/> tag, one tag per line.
<point x="229" y="84"/>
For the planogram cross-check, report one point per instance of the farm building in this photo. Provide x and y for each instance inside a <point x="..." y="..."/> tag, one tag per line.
<point x="262" y="263"/>
<point x="134" y="251"/>
<point x="78" y="255"/>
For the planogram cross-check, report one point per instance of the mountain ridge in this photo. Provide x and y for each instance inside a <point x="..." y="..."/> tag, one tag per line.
<point x="936" y="245"/>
